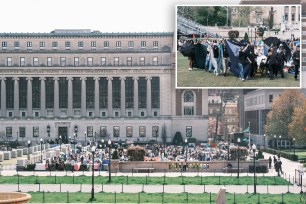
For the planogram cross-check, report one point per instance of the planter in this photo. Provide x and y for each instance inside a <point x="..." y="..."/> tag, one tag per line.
<point x="14" y="197"/>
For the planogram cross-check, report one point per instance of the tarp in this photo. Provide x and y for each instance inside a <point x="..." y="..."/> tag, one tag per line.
<point x="188" y="49"/>
<point x="200" y="56"/>
<point x="233" y="48"/>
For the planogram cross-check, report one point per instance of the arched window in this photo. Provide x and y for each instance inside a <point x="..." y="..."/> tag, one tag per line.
<point x="188" y="103"/>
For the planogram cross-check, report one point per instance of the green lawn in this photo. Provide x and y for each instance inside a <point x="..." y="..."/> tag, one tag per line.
<point x="201" y="78"/>
<point x="299" y="152"/>
<point x="40" y="197"/>
<point x="197" y="180"/>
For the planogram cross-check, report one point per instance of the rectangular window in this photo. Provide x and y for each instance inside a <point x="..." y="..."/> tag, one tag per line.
<point x="142" y="61"/>
<point x="142" y="131"/>
<point x="116" y="61"/>
<point x="93" y="44"/>
<point x="23" y="92"/>
<point x="118" y="44"/>
<point x="54" y="45"/>
<point x="63" y="61"/>
<point x="103" y="92"/>
<point x="188" y="131"/>
<point x="36" y="131"/>
<point x="9" y="61"/>
<point x="22" y="61"/>
<point x="9" y="132"/>
<point x="89" y="61"/>
<point x="67" y="45"/>
<point x="76" y="90"/>
<point x="143" y="44"/>
<point x="42" y="45"/>
<point x="155" y="61"/>
<point x="129" y="131"/>
<point x="270" y="98"/>
<point x="155" y="92"/>
<point x="81" y="45"/>
<point x="103" y="131"/>
<point x="106" y="44"/>
<point x="131" y="44"/>
<point x="49" y="61"/>
<point x="116" y="131"/>
<point x="103" y="61"/>
<point x="4" y="44"/>
<point x="142" y="92"/>
<point x="116" y="89"/>
<point x="188" y="110"/>
<point x="76" y="61"/>
<point x="155" y="131"/>
<point x="155" y="43"/>
<point x="63" y="92"/>
<point x="22" y="131"/>
<point x="35" y="61"/>
<point x="129" y="92"/>
<point x="36" y="88"/>
<point x="129" y="61"/>
<point x="16" y="45"/>
<point x="29" y="44"/>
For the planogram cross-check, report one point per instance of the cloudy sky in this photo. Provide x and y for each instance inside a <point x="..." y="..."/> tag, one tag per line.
<point x="103" y="15"/>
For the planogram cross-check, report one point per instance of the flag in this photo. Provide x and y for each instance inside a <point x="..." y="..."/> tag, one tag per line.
<point x="247" y="130"/>
<point x="233" y="52"/>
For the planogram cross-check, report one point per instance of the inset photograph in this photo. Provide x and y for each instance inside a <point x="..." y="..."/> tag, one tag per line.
<point x="238" y="46"/>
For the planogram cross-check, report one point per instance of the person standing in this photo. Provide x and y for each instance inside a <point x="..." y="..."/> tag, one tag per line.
<point x="296" y="61"/>
<point x="225" y="58"/>
<point x="281" y="59"/>
<point x="215" y="58"/>
<point x="272" y="61"/>
<point x="270" y="162"/>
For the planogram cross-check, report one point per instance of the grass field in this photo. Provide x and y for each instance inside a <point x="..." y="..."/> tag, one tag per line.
<point x="197" y="180"/>
<point x="201" y="78"/>
<point x="299" y="152"/>
<point x="40" y="197"/>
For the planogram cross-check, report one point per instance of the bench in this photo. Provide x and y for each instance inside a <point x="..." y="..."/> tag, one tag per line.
<point x="146" y="169"/>
<point x="231" y="170"/>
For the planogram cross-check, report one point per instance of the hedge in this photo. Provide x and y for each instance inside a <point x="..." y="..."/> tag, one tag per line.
<point x="286" y="155"/>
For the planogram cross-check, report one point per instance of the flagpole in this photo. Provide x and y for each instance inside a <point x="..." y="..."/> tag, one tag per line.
<point x="249" y="135"/>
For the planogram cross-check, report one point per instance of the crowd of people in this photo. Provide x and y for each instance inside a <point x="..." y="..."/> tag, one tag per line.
<point x="252" y="57"/>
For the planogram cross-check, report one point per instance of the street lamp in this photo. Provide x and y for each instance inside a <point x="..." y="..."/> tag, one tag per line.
<point x="248" y="31"/>
<point x="74" y="135"/>
<point x="293" y="141"/>
<point x="275" y="142"/>
<point x="17" y="141"/>
<point x="238" y="141"/>
<point x="254" y="150"/>
<point x="60" y="140"/>
<point x="109" y="161"/>
<point x="280" y="146"/>
<point x="85" y="139"/>
<point x="186" y="147"/>
<point x="264" y="140"/>
<point x="228" y="149"/>
<point x="29" y="144"/>
<point x="41" y="141"/>
<point x="249" y="135"/>
<point x="93" y="150"/>
<point x="255" y="33"/>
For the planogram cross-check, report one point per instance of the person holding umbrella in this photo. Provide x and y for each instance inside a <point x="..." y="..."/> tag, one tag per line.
<point x="281" y="59"/>
<point x="296" y="61"/>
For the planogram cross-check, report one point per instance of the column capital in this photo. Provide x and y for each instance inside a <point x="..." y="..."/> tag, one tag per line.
<point x="122" y="78"/>
<point x="148" y="78"/>
<point x="16" y="78"/>
<point x="83" y="78"/>
<point x="42" y="78"/>
<point x="29" y="78"/>
<point x="96" y="78"/>
<point x="3" y="78"/>
<point x="135" y="78"/>
<point x="69" y="78"/>
<point x="56" y="78"/>
<point x="110" y="78"/>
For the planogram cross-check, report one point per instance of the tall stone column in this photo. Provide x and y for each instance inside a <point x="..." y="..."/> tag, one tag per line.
<point x="149" y="98"/>
<point x="289" y="15"/>
<point x="83" y="97"/>
<point x="3" y="97"/>
<point x="97" y="94"/>
<point x="42" y="96"/>
<point x="110" y="96"/>
<point x="56" y="97"/>
<point x="16" y="96"/>
<point x="70" y="97"/>
<point x="122" y="99"/>
<point x="135" y="96"/>
<point x="29" y="98"/>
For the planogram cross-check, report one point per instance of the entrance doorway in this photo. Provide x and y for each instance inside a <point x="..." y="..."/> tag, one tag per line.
<point x="63" y="131"/>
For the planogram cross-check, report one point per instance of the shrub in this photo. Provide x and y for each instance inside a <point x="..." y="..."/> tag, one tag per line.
<point x="115" y="155"/>
<point x="243" y="152"/>
<point x="286" y="155"/>
<point x="233" y="34"/>
<point x="30" y="167"/>
<point x="136" y="153"/>
<point x="83" y="167"/>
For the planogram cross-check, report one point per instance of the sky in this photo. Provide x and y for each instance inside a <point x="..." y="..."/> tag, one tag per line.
<point x="103" y="15"/>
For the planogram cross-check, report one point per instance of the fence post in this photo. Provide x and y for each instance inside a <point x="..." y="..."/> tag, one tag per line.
<point x="258" y="198"/>
<point x="18" y="183"/>
<point x="127" y="180"/>
<point x="163" y="197"/>
<point x="282" y="198"/>
<point x="142" y="188"/>
<point x="274" y="181"/>
<point x="67" y="196"/>
<point x="219" y="180"/>
<point x="115" y="197"/>
<point x="132" y="172"/>
<point x="163" y="188"/>
<point x="210" y="197"/>
<point x="36" y="180"/>
<point x="138" y="197"/>
<point x="73" y="179"/>
<point x="66" y="171"/>
<point x="247" y="188"/>
<point x="267" y="188"/>
<point x="43" y="196"/>
<point x="122" y="188"/>
<point x="60" y="187"/>
<point x="234" y="197"/>
<point x="204" y="189"/>
<point x="39" y="187"/>
<point x="184" y="188"/>
<point x="102" y="187"/>
<point x="80" y="187"/>
<point x="201" y="180"/>
<point x="55" y="179"/>
<point x="187" y="196"/>
<point x="164" y="179"/>
<point x="288" y="189"/>
<point x="146" y="179"/>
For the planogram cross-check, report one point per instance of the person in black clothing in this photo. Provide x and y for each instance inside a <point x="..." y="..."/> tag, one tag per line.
<point x="272" y="61"/>
<point x="270" y="162"/>
<point x="225" y="58"/>
<point x="296" y="61"/>
<point x="281" y="59"/>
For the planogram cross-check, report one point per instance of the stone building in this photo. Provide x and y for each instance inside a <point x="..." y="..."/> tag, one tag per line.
<point x="92" y="85"/>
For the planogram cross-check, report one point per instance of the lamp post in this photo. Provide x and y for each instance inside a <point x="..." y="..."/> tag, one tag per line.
<point x="255" y="33"/>
<point x="228" y="149"/>
<point x="93" y="150"/>
<point x="264" y="140"/>
<point x="48" y="130"/>
<point x="280" y="146"/>
<point x="254" y="151"/>
<point x="293" y="141"/>
<point x="17" y="141"/>
<point x="109" y="161"/>
<point x="41" y="157"/>
<point x="275" y="143"/>
<point x="238" y="141"/>
<point x="186" y="147"/>
<point x="248" y="31"/>
<point x="249" y="135"/>
<point x="85" y="139"/>
<point x="29" y="144"/>
<point x="60" y="140"/>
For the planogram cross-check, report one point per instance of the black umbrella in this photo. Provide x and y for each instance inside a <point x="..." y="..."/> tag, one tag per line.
<point x="287" y="50"/>
<point x="272" y="40"/>
<point x="188" y="49"/>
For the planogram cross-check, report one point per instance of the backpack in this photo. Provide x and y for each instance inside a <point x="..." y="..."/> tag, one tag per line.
<point x="216" y="51"/>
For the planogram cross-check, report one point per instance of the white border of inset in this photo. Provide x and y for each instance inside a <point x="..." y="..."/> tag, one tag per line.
<point x="207" y="87"/>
